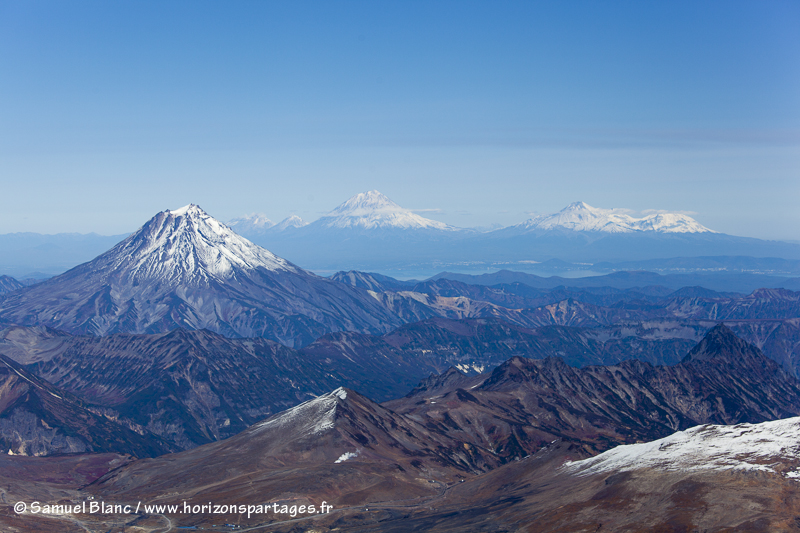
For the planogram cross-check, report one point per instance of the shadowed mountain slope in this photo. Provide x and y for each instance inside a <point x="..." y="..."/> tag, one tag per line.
<point x="9" y="284"/>
<point x="37" y="418"/>
<point x="340" y="447"/>
<point x="193" y="387"/>
<point x="525" y="403"/>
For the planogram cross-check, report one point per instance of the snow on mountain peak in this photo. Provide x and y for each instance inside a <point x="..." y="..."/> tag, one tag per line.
<point x="365" y="203"/>
<point x="580" y="216"/>
<point x="191" y="209"/>
<point x="292" y="221"/>
<point x="374" y="210"/>
<point x="740" y="447"/>
<point x="254" y="223"/>
<point x="309" y="418"/>
<point x="188" y="243"/>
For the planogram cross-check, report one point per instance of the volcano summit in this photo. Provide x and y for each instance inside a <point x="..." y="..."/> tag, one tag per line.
<point x="184" y="268"/>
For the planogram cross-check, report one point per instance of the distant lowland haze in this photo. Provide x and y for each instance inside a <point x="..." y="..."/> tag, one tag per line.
<point x="369" y="232"/>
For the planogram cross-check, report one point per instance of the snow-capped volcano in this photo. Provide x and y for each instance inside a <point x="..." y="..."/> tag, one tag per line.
<point x="371" y="210"/>
<point x="580" y="216"/>
<point x="183" y="268"/>
<point x="187" y="244"/>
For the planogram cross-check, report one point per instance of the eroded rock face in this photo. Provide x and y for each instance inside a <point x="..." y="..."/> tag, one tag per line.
<point x="24" y="433"/>
<point x="37" y="418"/>
<point x="525" y="403"/>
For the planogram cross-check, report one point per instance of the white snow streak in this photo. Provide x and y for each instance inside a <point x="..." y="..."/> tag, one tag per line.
<point x="311" y="417"/>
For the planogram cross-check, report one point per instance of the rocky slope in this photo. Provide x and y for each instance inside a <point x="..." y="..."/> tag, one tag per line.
<point x="9" y="284"/>
<point x="434" y="460"/>
<point x="525" y="403"/>
<point x="37" y="418"/>
<point x="707" y="488"/>
<point x="340" y="448"/>
<point x="194" y="387"/>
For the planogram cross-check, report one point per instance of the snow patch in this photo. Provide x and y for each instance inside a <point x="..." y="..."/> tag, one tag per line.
<point x="467" y="368"/>
<point x="183" y="210"/>
<point x="710" y="447"/>
<point x="309" y="418"/>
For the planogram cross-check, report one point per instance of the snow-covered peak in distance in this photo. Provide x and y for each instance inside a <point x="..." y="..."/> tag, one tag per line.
<point x="253" y="224"/>
<point x="741" y="447"/>
<point x="580" y="216"/>
<point x="292" y="221"/>
<point x="187" y="244"/>
<point x="372" y="210"/>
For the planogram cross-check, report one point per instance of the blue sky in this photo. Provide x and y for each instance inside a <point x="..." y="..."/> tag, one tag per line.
<point x="475" y="113"/>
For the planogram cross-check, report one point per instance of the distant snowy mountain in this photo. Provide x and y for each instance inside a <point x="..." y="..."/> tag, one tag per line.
<point x="370" y="232"/>
<point x="253" y="224"/>
<point x="258" y="225"/>
<point x="367" y="232"/>
<point x="580" y="216"/>
<point x="185" y="269"/>
<point x="373" y="210"/>
<point x="292" y="221"/>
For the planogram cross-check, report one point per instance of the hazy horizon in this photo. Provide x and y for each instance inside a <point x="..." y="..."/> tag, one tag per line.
<point x="470" y="113"/>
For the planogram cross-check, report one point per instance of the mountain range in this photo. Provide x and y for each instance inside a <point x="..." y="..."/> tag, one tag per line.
<point x="188" y="364"/>
<point x="513" y="448"/>
<point x="193" y="387"/>
<point x="370" y="232"/>
<point x="184" y="269"/>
